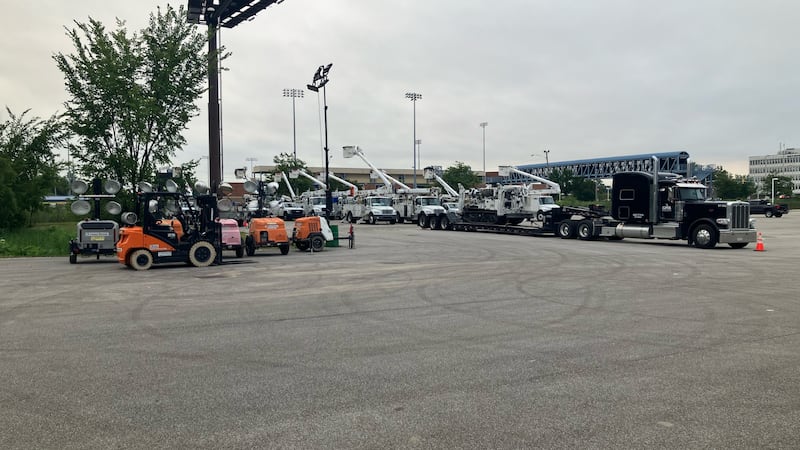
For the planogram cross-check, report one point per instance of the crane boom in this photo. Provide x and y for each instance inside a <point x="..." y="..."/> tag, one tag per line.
<point x="507" y="170"/>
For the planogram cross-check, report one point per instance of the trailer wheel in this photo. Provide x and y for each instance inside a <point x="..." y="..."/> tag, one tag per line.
<point x="566" y="230"/>
<point x="704" y="236"/>
<point x="141" y="259"/>
<point x="585" y="230"/>
<point x="202" y="254"/>
<point x="284" y="248"/>
<point x="250" y="246"/>
<point x="317" y="243"/>
<point x="423" y="221"/>
<point x="444" y="223"/>
<point x="73" y="258"/>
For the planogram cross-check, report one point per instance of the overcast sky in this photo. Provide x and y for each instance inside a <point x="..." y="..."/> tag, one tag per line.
<point x="581" y="78"/>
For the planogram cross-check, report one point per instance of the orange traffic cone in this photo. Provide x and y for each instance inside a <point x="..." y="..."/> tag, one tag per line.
<point x="759" y="243"/>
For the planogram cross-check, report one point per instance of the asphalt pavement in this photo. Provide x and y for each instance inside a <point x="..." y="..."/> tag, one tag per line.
<point x="414" y="339"/>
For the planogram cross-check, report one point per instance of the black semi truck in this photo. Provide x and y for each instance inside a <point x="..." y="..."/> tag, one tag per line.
<point x="644" y="206"/>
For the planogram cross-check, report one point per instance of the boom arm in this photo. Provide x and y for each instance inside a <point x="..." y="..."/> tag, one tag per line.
<point x="349" y="151"/>
<point x="400" y="183"/>
<point x="316" y="181"/>
<point x="288" y="185"/>
<point x="556" y="188"/>
<point x="430" y="172"/>
<point x="344" y="182"/>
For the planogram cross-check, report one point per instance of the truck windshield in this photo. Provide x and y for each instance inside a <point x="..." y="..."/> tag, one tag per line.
<point x="317" y="200"/>
<point x="689" y="194"/>
<point x="546" y="200"/>
<point x="380" y="201"/>
<point x="428" y="201"/>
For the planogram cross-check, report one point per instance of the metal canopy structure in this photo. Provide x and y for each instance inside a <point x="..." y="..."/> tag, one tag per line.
<point x="674" y="162"/>
<point x="226" y="13"/>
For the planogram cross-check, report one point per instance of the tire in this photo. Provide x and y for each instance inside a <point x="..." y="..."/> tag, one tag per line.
<point x="738" y="244"/>
<point x="317" y="243"/>
<point x="768" y="213"/>
<point x="73" y="258"/>
<point x="778" y="214"/>
<point x="540" y="216"/>
<point x="444" y="223"/>
<point x="141" y="259"/>
<point x="285" y="216"/>
<point x="371" y="219"/>
<point x="400" y="219"/>
<point x="585" y="230"/>
<point x="349" y="218"/>
<point x="239" y="251"/>
<point x="704" y="236"/>
<point x="393" y="221"/>
<point x="284" y="248"/>
<point x="566" y="230"/>
<point x="423" y="221"/>
<point x="202" y="254"/>
<point x="301" y="245"/>
<point x="250" y="246"/>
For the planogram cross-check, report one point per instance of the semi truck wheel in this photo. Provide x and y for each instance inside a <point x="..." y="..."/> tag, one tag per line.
<point x="566" y="230"/>
<point x="202" y="254"/>
<point x="704" y="236"/>
<point x="585" y="230"/>
<point x="141" y="259"/>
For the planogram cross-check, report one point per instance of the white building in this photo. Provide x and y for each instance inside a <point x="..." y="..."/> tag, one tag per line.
<point x="785" y="162"/>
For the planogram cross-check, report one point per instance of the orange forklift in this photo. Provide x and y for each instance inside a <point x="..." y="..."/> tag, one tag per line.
<point x="175" y="228"/>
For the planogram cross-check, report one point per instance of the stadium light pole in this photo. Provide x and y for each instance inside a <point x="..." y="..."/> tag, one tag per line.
<point x="413" y="96"/>
<point x="319" y="82"/>
<point x="294" y="93"/>
<point x="773" y="190"/>
<point x="483" y="125"/>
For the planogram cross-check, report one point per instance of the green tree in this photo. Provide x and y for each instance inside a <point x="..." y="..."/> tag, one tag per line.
<point x="28" y="167"/>
<point x="585" y="189"/>
<point x="461" y="173"/>
<point x="565" y="178"/>
<point x="285" y="163"/>
<point x="132" y="94"/>
<point x="727" y="186"/>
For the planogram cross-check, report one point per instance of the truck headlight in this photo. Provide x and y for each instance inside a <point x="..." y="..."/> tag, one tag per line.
<point x="752" y="223"/>
<point x="723" y="222"/>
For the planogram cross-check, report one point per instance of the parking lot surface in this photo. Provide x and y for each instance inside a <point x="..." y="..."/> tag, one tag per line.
<point x="414" y="339"/>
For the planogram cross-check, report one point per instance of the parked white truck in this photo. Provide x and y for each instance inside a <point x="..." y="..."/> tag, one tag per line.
<point x="369" y="208"/>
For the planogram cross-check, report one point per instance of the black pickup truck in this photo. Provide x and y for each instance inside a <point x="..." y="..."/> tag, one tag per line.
<point x="767" y="208"/>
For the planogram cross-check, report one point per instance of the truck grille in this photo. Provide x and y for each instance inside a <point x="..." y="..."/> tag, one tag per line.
<point x="739" y="215"/>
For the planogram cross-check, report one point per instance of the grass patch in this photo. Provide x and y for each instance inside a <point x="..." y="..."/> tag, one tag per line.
<point x="50" y="239"/>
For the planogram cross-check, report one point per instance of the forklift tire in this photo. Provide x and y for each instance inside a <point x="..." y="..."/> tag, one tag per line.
<point x="317" y="243"/>
<point x="239" y="251"/>
<point x="202" y="254"/>
<point x="73" y="258"/>
<point x="141" y="259"/>
<point x="284" y="249"/>
<point x="585" y="230"/>
<point x="566" y="230"/>
<point x="250" y="246"/>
